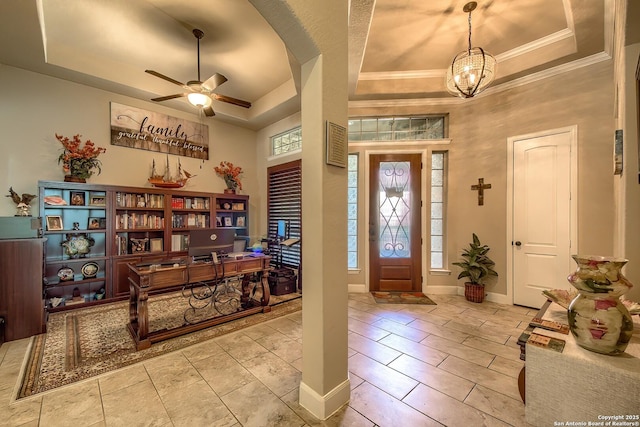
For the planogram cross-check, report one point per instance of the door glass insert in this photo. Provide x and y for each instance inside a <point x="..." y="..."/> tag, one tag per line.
<point x="395" y="213"/>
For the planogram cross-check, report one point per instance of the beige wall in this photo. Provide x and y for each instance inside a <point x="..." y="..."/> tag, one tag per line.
<point x="34" y="107"/>
<point x="479" y="130"/>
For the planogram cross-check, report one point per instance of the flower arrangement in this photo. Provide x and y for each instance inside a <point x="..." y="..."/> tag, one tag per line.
<point x="77" y="160"/>
<point x="230" y="174"/>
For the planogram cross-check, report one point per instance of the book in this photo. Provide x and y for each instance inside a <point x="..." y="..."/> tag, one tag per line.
<point x="549" y="325"/>
<point x="542" y="341"/>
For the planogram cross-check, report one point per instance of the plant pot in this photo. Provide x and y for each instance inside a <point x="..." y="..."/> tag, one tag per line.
<point x="229" y="191"/>
<point x="71" y="178"/>
<point x="473" y="292"/>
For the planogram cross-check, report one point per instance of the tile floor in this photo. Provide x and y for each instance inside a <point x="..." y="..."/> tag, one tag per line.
<point x="454" y="364"/>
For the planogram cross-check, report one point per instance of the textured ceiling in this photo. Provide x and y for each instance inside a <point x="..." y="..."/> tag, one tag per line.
<point x="398" y="49"/>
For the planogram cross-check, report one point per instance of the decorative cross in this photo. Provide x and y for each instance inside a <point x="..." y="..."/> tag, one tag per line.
<point x="481" y="187"/>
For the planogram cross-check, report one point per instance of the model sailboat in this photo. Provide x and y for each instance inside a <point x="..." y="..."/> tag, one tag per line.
<point x="167" y="180"/>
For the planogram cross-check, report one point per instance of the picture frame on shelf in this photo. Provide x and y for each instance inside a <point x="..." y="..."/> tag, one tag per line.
<point x="218" y="221"/>
<point x="240" y="221"/>
<point x="139" y="245"/>
<point x="97" y="199"/>
<point x="237" y="207"/>
<point x="54" y="222"/>
<point x="77" y="198"/>
<point x="228" y="222"/>
<point x="95" y="223"/>
<point x="155" y="244"/>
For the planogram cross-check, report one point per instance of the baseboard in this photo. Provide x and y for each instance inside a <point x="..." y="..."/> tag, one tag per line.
<point x="441" y="290"/>
<point x="491" y="296"/>
<point x="322" y="407"/>
<point x="358" y="288"/>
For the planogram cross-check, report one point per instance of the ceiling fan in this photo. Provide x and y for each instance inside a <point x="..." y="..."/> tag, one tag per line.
<point x="199" y="93"/>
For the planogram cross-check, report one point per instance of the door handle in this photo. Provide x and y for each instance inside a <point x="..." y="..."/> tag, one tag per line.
<point x="518" y="243"/>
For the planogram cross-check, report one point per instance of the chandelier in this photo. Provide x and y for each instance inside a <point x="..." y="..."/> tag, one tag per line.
<point x="472" y="70"/>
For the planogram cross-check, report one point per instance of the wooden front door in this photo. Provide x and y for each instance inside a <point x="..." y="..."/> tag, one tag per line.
<point x="394" y="222"/>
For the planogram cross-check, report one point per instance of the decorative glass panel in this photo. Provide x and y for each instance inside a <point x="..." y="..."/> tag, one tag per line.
<point x="395" y="213"/>
<point x="437" y="210"/>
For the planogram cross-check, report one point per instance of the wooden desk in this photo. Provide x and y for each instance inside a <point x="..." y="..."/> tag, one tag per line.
<point x="143" y="279"/>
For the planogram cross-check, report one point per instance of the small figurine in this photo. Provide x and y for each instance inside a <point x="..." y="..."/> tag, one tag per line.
<point x="23" y="203"/>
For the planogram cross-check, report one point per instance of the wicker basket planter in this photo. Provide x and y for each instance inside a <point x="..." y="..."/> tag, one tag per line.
<point x="473" y="292"/>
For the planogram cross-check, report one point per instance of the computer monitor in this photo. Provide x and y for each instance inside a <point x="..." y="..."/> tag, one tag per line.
<point x="203" y="242"/>
<point x="283" y="229"/>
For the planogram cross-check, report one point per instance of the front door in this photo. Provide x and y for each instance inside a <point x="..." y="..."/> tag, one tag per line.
<point x="394" y="222"/>
<point x="541" y="247"/>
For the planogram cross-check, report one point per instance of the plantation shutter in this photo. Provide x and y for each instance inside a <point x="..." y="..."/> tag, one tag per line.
<point x="284" y="202"/>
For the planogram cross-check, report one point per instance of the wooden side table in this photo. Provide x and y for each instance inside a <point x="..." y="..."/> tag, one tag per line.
<point x="522" y="342"/>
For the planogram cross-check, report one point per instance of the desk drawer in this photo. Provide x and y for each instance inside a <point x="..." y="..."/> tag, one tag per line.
<point x="161" y="278"/>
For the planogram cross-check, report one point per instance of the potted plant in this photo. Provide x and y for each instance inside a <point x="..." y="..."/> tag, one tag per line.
<point x="476" y="266"/>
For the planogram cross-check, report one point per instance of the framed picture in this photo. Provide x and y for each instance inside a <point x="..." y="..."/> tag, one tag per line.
<point x="54" y="222"/>
<point x="77" y="198"/>
<point x="94" y="223"/>
<point x="155" y="244"/>
<point x="238" y="207"/>
<point x="138" y="245"/>
<point x="240" y="221"/>
<point x="218" y="221"/>
<point x="227" y="221"/>
<point x="97" y="199"/>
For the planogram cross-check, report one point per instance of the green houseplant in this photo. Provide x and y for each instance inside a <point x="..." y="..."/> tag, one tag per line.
<point x="476" y="266"/>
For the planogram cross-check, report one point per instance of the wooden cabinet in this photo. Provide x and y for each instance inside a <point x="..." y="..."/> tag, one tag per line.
<point x="21" y="303"/>
<point x="124" y="225"/>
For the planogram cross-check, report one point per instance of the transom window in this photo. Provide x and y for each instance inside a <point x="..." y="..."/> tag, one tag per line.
<point x="396" y="128"/>
<point x="286" y="142"/>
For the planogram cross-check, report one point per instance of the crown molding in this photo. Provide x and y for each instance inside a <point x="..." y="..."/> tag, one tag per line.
<point x="541" y="75"/>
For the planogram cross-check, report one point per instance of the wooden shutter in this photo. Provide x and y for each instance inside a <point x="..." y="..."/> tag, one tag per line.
<point x="284" y="201"/>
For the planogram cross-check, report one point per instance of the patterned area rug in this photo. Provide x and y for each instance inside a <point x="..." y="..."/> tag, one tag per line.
<point x="402" y="298"/>
<point x="83" y="343"/>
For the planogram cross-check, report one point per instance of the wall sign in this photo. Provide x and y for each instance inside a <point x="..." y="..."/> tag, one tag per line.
<point x="145" y="130"/>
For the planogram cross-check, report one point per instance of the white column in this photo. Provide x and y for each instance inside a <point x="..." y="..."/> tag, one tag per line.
<point x="315" y="32"/>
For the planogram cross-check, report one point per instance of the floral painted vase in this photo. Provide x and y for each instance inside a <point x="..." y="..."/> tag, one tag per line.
<point x="597" y="318"/>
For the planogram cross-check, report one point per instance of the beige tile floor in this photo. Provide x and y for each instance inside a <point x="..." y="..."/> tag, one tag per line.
<point x="454" y="364"/>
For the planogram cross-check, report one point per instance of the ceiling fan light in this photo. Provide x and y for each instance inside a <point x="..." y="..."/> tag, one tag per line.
<point x="199" y="99"/>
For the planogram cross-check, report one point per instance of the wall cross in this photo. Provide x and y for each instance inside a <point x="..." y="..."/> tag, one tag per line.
<point x="480" y="188"/>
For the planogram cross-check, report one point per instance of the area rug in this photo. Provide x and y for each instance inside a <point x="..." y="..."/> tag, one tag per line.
<point x="402" y="298"/>
<point x="83" y="343"/>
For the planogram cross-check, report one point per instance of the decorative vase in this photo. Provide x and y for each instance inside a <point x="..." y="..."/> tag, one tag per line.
<point x="79" y="170"/>
<point x="231" y="185"/>
<point x="597" y="318"/>
<point x="473" y="292"/>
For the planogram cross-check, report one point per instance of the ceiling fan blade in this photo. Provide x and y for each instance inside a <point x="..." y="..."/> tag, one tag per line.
<point x="163" y="77"/>
<point x="230" y="100"/>
<point x="214" y="81"/>
<point x="209" y="112"/>
<point x="168" y="97"/>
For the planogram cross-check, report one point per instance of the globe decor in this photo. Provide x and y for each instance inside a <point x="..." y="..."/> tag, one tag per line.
<point x="78" y="160"/>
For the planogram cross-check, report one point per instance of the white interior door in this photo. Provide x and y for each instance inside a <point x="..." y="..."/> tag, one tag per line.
<point x="542" y="214"/>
